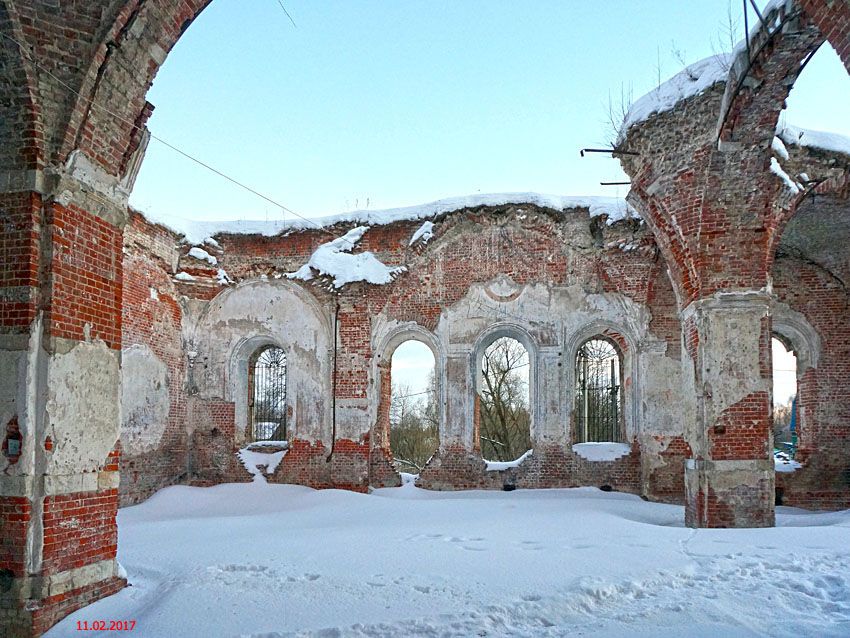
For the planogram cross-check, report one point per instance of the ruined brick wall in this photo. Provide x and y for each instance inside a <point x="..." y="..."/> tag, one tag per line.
<point x="155" y="436"/>
<point x="823" y="403"/>
<point x="529" y="247"/>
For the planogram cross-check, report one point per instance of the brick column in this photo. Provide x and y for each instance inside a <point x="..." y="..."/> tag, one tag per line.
<point x="381" y="471"/>
<point x="60" y="354"/>
<point x="729" y="482"/>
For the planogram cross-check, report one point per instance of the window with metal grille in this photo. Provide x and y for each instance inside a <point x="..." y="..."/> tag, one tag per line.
<point x="598" y="407"/>
<point x="267" y="392"/>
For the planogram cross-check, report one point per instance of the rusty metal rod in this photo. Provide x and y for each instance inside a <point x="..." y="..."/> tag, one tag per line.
<point x="606" y="150"/>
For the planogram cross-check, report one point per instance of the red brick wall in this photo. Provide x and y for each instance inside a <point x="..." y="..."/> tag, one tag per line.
<point x="154" y="321"/>
<point x="15" y="513"/>
<point x="824" y="438"/>
<point x="79" y="529"/>
<point x="19" y="260"/>
<point x="86" y="290"/>
<point x="213" y="451"/>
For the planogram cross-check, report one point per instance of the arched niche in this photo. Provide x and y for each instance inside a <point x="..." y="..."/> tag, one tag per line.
<point x="259" y="313"/>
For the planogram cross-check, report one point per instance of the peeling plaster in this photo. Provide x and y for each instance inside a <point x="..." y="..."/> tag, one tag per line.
<point x="83" y="407"/>
<point x="256" y="313"/>
<point x="144" y="400"/>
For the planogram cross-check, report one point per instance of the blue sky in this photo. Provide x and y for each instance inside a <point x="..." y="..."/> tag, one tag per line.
<point x="389" y="103"/>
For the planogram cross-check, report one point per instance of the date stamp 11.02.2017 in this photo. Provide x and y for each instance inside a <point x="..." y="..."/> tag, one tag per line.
<point x="106" y="625"/>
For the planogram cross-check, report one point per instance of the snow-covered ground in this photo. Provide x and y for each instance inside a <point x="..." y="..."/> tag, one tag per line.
<point x="262" y="560"/>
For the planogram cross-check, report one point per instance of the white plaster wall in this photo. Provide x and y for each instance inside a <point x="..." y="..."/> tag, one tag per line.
<point x="256" y="313"/>
<point x="83" y="407"/>
<point x="557" y="320"/>
<point x="144" y="400"/>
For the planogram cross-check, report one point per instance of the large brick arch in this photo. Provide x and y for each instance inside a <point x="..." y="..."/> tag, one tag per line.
<point x="73" y="79"/>
<point x="97" y="62"/>
<point x="705" y="177"/>
<point x="123" y="69"/>
<point x="20" y="126"/>
<point x="764" y="72"/>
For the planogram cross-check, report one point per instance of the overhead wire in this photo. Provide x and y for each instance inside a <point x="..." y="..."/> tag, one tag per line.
<point x="189" y="156"/>
<point x="280" y="2"/>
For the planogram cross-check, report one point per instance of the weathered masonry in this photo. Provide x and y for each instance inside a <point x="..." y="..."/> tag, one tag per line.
<point x="741" y="237"/>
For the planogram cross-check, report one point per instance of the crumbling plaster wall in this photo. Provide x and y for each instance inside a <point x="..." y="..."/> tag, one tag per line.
<point x="552" y="279"/>
<point x="253" y="314"/>
<point x="221" y="339"/>
<point x="154" y="428"/>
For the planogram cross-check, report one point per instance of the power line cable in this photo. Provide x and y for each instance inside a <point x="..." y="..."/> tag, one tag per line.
<point x="280" y="2"/>
<point x="135" y="126"/>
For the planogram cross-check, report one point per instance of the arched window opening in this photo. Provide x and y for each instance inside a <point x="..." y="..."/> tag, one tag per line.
<point x="599" y="392"/>
<point x="414" y="413"/>
<point x="784" y="399"/>
<point x="504" y="402"/>
<point x="267" y="391"/>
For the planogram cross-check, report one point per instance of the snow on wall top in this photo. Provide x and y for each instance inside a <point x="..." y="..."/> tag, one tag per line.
<point x="334" y="259"/>
<point x="690" y="81"/>
<point x="822" y="140"/>
<point x="196" y="232"/>
<point x="698" y="77"/>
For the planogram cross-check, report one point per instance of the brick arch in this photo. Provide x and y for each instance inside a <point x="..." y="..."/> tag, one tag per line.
<point x="833" y="19"/>
<point x="673" y="246"/>
<point x="97" y="62"/>
<point x="122" y="71"/>
<point x="20" y="121"/>
<point x="763" y="74"/>
<point x="139" y="40"/>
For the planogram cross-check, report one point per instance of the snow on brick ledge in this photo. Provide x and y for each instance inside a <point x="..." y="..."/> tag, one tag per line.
<point x="601" y="451"/>
<point x="497" y="466"/>
<point x="197" y="232"/>
<point x="334" y="259"/>
<point x="690" y="81"/>
<point x="199" y="253"/>
<point x="822" y="140"/>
